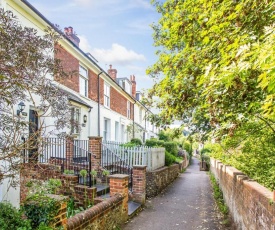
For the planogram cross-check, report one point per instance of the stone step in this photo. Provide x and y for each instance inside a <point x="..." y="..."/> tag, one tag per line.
<point x="133" y="208"/>
<point x="102" y="189"/>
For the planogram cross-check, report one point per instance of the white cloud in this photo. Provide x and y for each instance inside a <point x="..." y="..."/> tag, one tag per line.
<point x="141" y="4"/>
<point x="117" y="54"/>
<point x="83" y="2"/>
<point x="84" y="44"/>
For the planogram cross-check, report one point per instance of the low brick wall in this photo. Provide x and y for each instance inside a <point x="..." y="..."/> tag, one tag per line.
<point x="104" y="216"/>
<point x="38" y="172"/>
<point x="84" y="195"/>
<point x="251" y="205"/>
<point x="159" y="179"/>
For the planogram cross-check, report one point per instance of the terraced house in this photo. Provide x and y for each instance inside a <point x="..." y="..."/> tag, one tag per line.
<point x="103" y="105"/>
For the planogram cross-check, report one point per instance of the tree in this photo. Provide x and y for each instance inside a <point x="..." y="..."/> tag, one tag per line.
<point x="27" y="70"/>
<point x="208" y="70"/>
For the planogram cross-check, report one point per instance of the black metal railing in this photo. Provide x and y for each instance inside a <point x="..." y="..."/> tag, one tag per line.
<point x="114" y="164"/>
<point x="70" y="155"/>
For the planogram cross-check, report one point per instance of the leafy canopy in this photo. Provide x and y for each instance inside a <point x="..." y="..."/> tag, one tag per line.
<point x="215" y="65"/>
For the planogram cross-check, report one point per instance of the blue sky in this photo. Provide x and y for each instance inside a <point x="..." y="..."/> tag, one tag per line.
<point x="115" y="32"/>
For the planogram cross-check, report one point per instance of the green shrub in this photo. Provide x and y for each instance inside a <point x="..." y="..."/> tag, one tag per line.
<point x="205" y="150"/>
<point x="128" y="145"/>
<point x="53" y="185"/>
<point x="40" y="209"/>
<point x="136" y="141"/>
<point x="169" y="158"/>
<point x="171" y="147"/>
<point x="187" y="147"/>
<point x="11" y="218"/>
<point x="160" y="143"/>
<point x="68" y="172"/>
<point x="151" y="142"/>
<point x="164" y="136"/>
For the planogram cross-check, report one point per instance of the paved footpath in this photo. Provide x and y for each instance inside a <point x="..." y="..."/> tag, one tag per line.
<point x="186" y="204"/>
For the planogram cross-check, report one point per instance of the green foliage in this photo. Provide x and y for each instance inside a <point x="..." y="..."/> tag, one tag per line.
<point x="251" y="149"/>
<point x="187" y="147"/>
<point x="136" y="141"/>
<point x="216" y="61"/>
<point x="53" y="185"/>
<point x="68" y="172"/>
<point x="93" y="173"/>
<point x="164" y="136"/>
<point x="169" y="158"/>
<point x="153" y="142"/>
<point x="40" y="209"/>
<point x="70" y="207"/>
<point x="205" y="150"/>
<point x="43" y="226"/>
<point x="218" y="195"/>
<point x="83" y="173"/>
<point x="171" y="147"/>
<point x="11" y="218"/>
<point x="129" y="145"/>
<point x="105" y="172"/>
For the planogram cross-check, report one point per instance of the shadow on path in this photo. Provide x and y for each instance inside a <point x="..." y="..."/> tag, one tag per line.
<point x="186" y="204"/>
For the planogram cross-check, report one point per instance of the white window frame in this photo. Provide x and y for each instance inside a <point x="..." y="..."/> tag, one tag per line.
<point x="106" y="129"/>
<point x="83" y="77"/>
<point x="122" y="133"/>
<point x="140" y="115"/>
<point x="116" y="131"/>
<point x="128" y="109"/>
<point x="75" y="119"/>
<point x="106" y="95"/>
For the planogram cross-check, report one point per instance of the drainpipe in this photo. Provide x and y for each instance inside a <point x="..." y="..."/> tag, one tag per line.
<point x="145" y="127"/>
<point x="88" y="122"/>
<point x="134" y="119"/>
<point x="145" y="124"/>
<point x="98" y="104"/>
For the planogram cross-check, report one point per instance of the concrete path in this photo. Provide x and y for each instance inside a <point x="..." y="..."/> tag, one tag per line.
<point x="186" y="204"/>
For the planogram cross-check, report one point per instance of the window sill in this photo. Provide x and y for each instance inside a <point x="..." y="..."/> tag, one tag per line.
<point x="106" y="107"/>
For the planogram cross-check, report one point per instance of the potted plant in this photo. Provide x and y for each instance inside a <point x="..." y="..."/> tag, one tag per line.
<point x="83" y="173"/>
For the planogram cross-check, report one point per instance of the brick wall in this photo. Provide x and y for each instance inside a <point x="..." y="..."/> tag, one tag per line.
<point x="118" y="102"/>
<point x="38" y="172"/>
<point x="84" y="195"/>
<point x="251" y="205"/>
<point x="93" y="87"/>
<point x="69" y="64"/>
<point x="159" y="179"/>
<point x="103" y="216"/>
<point x="139" y="184"/>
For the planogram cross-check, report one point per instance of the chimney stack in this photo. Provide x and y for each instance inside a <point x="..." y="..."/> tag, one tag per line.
<point x="134" y="85"/>
<point x="112" y="72"/>
<point x="69" y="32"/>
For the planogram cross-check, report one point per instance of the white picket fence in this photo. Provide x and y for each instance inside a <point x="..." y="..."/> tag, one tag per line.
<point x="153" y="158"/>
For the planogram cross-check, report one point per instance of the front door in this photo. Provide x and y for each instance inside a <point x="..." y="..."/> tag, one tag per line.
<point x="33" y="135"/>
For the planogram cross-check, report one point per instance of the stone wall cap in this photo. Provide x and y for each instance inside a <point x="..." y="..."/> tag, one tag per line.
<point x="95" y="137"/>
<point x="119" y="176"/>
<point x="139" y="166"/>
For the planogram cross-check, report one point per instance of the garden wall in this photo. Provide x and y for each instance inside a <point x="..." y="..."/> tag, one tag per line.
<point x="251" y="205"/>
<point x="106" y="215"/>
<point x="38" y="172"/>
<point x="159" y="179"/>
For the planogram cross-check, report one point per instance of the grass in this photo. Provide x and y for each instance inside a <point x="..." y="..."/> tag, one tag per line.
<point x="218" y="195"/>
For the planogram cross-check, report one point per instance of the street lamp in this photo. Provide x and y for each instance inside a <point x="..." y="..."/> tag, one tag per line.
<point x="21" y="107"/>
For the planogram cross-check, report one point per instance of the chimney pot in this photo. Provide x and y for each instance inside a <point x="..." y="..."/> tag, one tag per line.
<point x="134" y="85"/>
<point x="112" y="72"/>
<point x="69" y="32"/>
